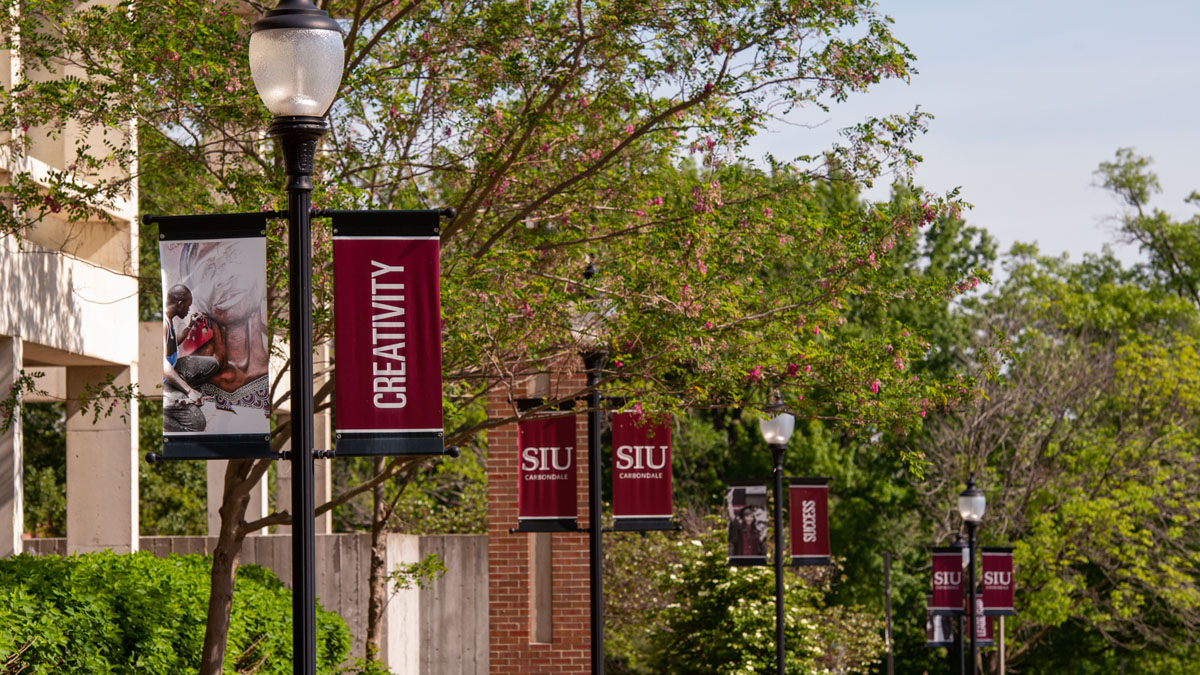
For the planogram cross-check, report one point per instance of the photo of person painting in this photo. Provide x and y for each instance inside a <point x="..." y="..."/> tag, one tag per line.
<point x="746" y="508"/>
<point x="215" y="365"/>
<point x="184" y="371"/>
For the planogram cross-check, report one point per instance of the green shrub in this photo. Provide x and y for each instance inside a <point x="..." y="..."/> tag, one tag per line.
<point x="107" y="613"/>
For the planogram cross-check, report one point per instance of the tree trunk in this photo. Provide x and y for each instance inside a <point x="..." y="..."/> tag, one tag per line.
<point x="226" y="556"/>
<point x="378" y="578"/>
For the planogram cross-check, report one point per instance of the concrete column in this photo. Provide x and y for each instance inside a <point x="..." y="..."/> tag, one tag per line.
<point x="12" y="456"/>
<point x="322" y="476"/>
<point x="102" y="467"/>
<point x="402" y="613"/>
<point x="257" y="508"/>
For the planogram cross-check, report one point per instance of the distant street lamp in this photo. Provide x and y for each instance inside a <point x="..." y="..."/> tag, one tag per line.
<point x="776" y="431"/>
<point x="296" y="57"/>
<point x="971" y="505"/>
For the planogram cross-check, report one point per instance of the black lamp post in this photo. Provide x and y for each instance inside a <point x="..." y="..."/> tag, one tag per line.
<point x="971" y="505"/>
<point x="776" y="431"/>
<point x="960" y="635"/>
<point x="586" y="326"/>
<point x="593" y="361"/>
<point x="296" y="58"/>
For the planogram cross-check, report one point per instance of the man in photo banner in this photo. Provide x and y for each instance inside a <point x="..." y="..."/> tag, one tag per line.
<point x="184" y="370"/>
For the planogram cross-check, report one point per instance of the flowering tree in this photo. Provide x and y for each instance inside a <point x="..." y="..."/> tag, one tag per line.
<point x="563" y="133"/>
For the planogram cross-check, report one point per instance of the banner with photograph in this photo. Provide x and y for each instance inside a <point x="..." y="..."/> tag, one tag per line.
<point x="939" y="628"/>
<point x="216" y="403"/>
<point x="947" y="580"/>
<point x="998" y="581"/>
<point x="641" y="473"/>
<point x="808" y="515"/>
<point x="746" y="508"/>
<point x="387" y="332"/>
<point x="548" y="474"/>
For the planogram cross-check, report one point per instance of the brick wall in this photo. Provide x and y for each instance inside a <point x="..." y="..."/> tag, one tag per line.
<point x="511" y="567"/>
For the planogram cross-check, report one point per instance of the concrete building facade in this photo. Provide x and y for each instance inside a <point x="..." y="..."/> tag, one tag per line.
<point x="69" y="310"/>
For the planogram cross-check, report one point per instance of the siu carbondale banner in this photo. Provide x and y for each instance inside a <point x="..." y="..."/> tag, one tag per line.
<point x="641" y="473"/>
<point x="746" y="508"/>
<point x="947" y="581"/>
<point x="808" y="515"/>
<point x="998" y="581"/>
<point x="983" y="623"/>
<point x="387" y="332"/>
<point x="216" y="403"/>
<point x="546" y="489"/>
<point x="939" y="628"/>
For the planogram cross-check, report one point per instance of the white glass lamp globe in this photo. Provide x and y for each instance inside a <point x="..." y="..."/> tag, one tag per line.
<point x="972" y="503"/>
<point x="296" y="58"/>
<point x="778" y="429"/>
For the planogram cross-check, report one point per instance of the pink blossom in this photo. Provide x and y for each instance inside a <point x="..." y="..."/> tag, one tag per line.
<point x="816" y="330"/>
<point x="793" y="369"/>
<point x="899" y="363"/>
<point x="629" y="128"/>
<point x="922" y="413"/>
<point x="639" y="213"/>
<point x="755" y="374"/>
<point x="528" y="311"/>
<point x="768" y="213"/>
<point x="874" y="386"/>
<point x="807" y="369"/>
<point x="618" y="364"/>
<point x="708" y="325"/>
<point x="637" y="409"/>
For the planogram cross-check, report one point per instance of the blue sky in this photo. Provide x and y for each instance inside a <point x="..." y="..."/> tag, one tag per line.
<point x="1029" y="97"/>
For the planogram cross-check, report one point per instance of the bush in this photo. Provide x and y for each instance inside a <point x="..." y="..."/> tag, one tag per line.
<point x="107" y="613"/>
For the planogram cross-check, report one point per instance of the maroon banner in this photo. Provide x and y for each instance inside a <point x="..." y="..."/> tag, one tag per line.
<point x="947" y="581"/>
<point x="546" y="498"/>
<point x="746" y="508"/>
<point x="808" y="515"/>
<point x="983" y="623"/>
<point x="939" y="628"/>
<point x="998" y="581"/>
<point x="387" y="323"/>
<point x="641" y="473"/>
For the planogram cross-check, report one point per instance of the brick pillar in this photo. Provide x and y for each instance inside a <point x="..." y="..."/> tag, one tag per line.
<point x="516" y="562"/>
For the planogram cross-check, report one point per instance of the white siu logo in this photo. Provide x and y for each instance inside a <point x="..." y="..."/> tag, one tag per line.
<point x="1002" y="579"/>
<point x="546" y="459"/>
<point x="947" y="579"/>
<point x="639" y="457"/>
